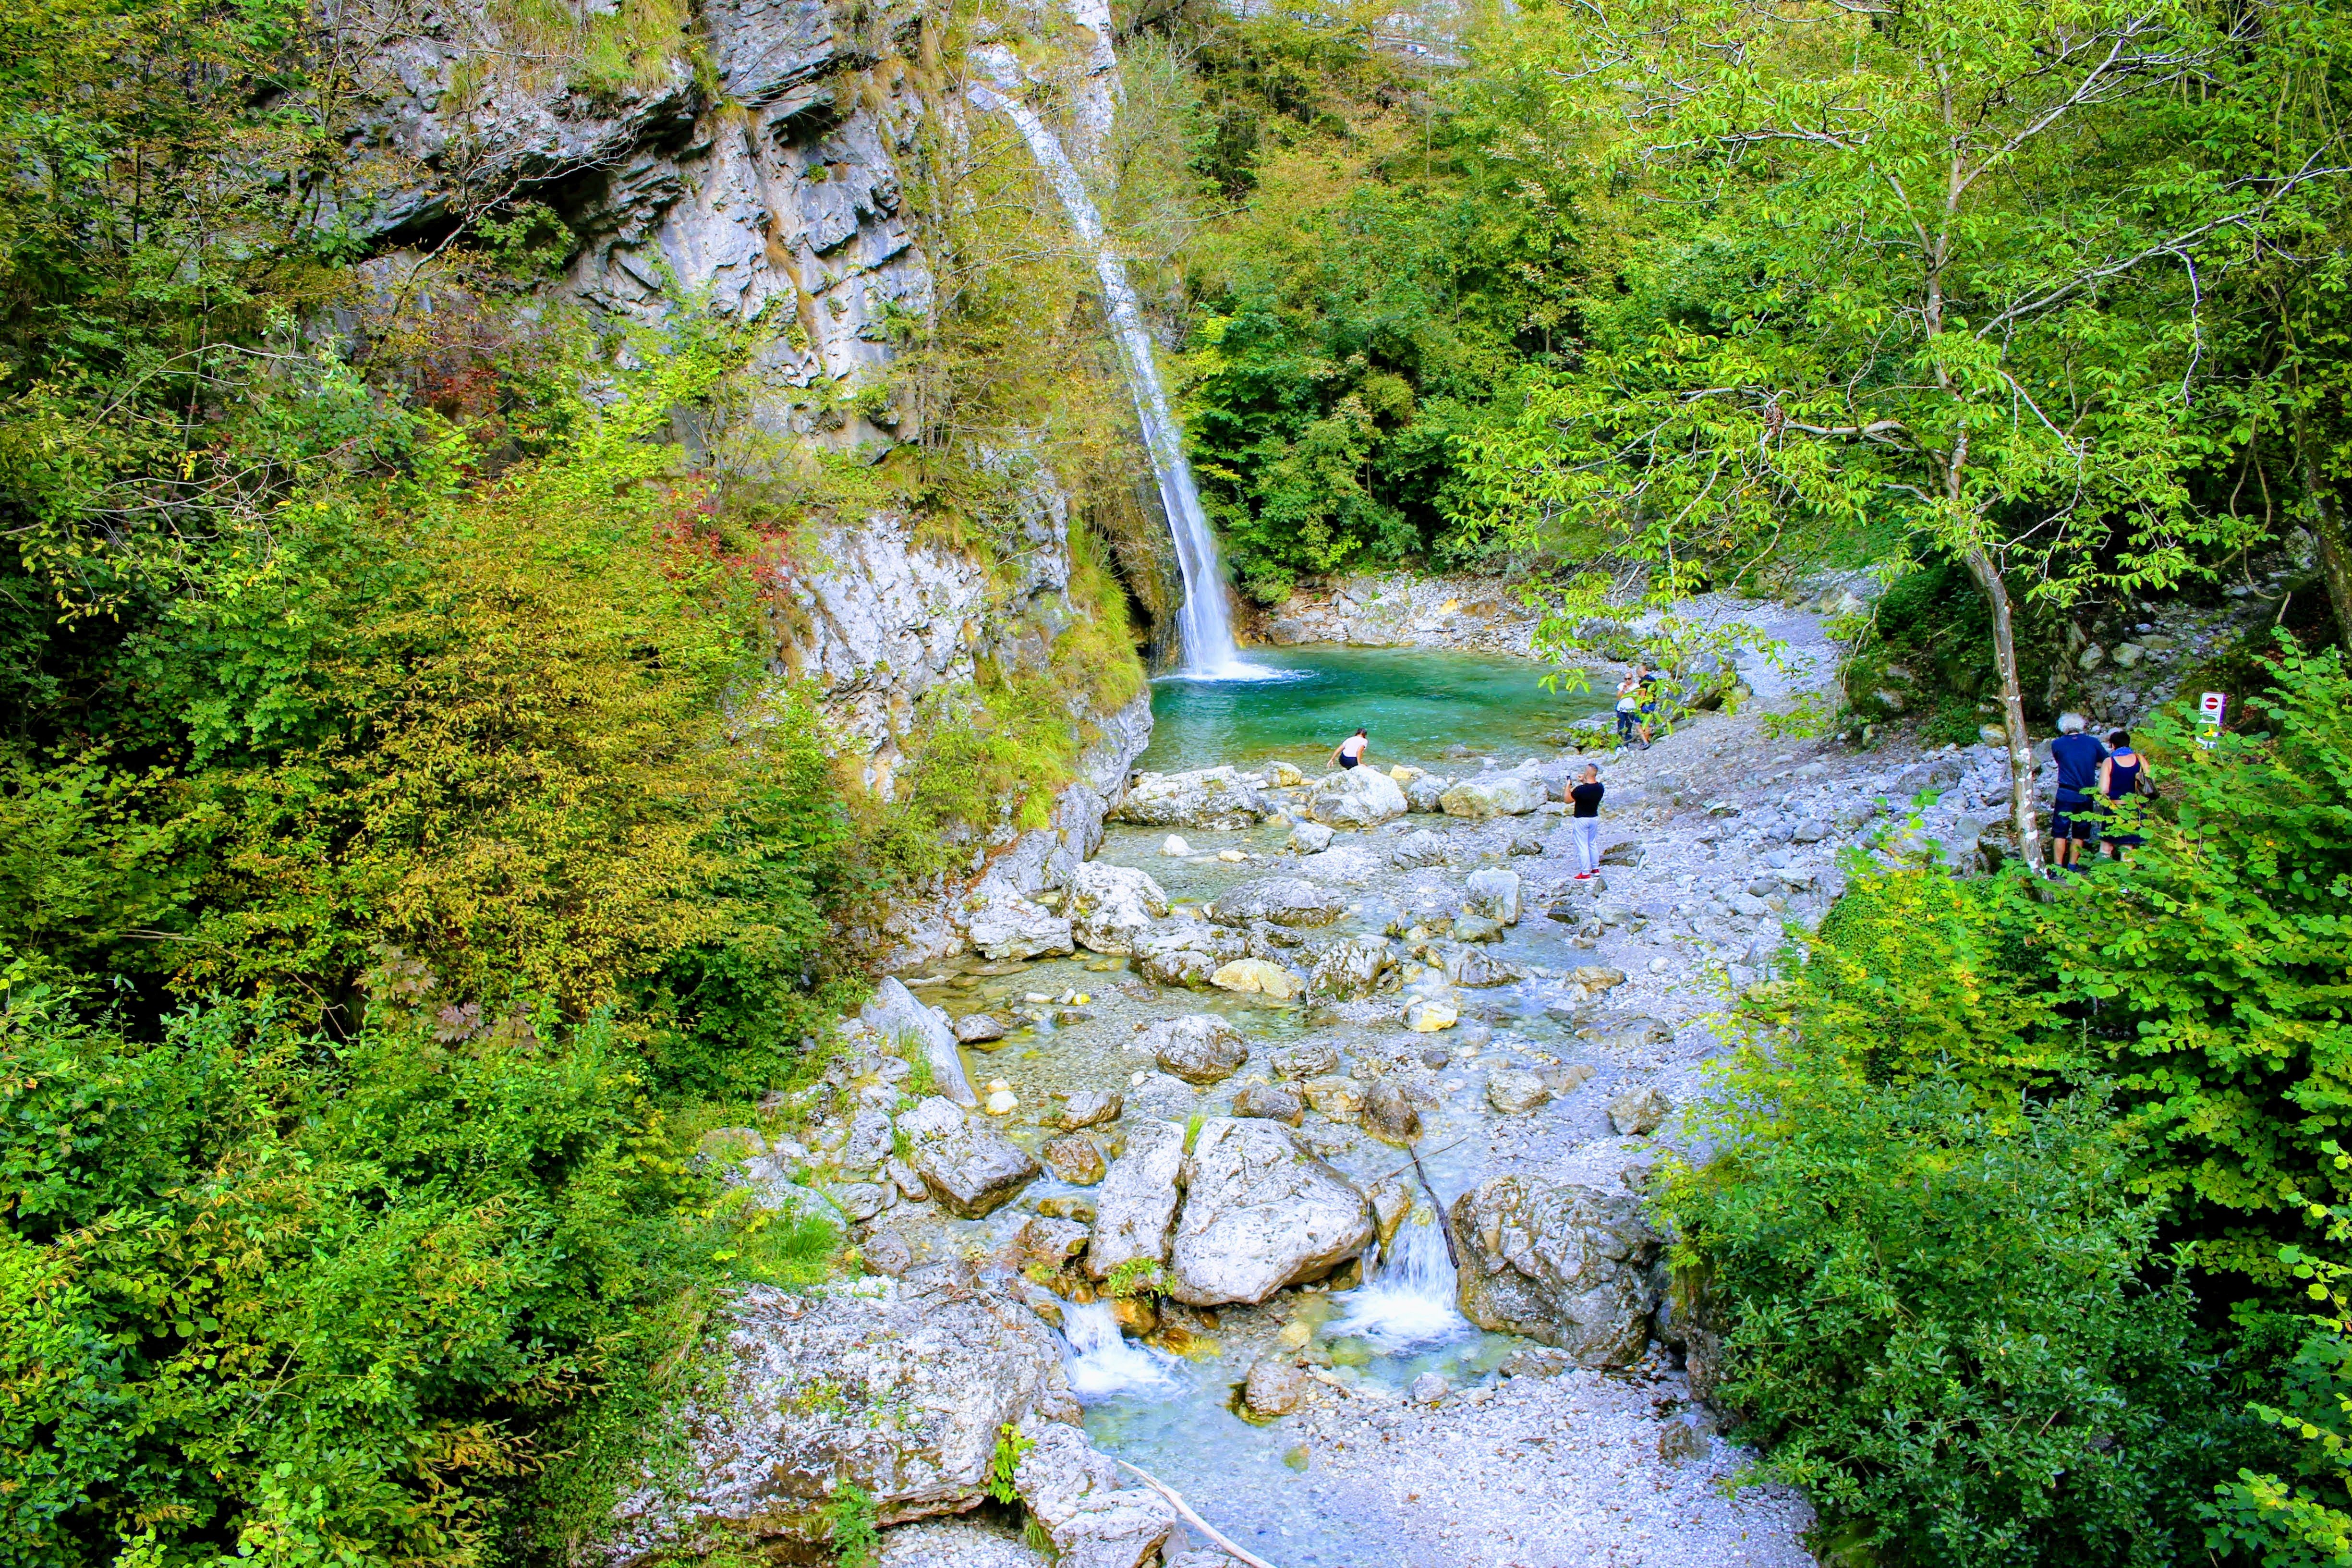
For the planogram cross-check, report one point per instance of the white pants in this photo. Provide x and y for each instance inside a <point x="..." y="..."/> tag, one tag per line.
<point x="1588" y="841"/>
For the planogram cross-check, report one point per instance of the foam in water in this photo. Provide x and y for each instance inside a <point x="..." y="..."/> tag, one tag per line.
<point x="1102" y="1364"/>
<point x="1205" y="625"/>
<point x="1411" y="1300"/>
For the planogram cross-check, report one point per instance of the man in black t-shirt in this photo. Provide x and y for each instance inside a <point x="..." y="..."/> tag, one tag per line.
<point x="1584" y="803"/>
<point x="2075" y="822"/>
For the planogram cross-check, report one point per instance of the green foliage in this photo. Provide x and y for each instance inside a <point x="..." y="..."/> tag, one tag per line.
<point x="1005" y="1464"/>
<point x="856" y="1543"/>
<point x="1935" y="1320"/>
<point x="2306" y="1522"/>
<point x="305" y="1297"/>
<point x="2218" y="965"/>
<point x="1136" y="1277"/>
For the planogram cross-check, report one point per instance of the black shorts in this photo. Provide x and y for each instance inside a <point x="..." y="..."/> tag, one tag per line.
<point x="2078" y="822"/>
<point x="1349" y="761"/>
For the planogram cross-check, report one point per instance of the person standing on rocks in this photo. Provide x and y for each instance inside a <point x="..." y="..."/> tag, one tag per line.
<point x="1584" y="802"/>
<point x="1629" y="705"/>
<point x="1350" y="752"/>
<point x="2081" y="760"/>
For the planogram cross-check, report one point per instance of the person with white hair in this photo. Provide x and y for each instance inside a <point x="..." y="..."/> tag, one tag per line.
<point x="1584" y="807"/>
<point x="2076" y="820"/>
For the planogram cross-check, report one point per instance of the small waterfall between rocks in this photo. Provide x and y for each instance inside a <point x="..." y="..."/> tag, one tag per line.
<point x="1205" y="624"/>
<point x="1411" y="1302"/>
<point x="1103" y="1363"/>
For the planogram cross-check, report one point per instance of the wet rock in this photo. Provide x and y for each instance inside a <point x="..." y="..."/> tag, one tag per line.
<point x="1626" y="1033"/>
<point x="1492" y="796"/>
<point x="1165" y="960"/>
<point x="1476" y="928"/>
<point x="1349" y="864"/>
<point x="886" y="1252"/>
<point x="972" y="1172"/>
<point x="1390" y="1201"/>
<point x="1052" y="1242"/>
<point x="1425" y="793"/>
<point x="1076" y="1494"/>
<point x="1282" y="775"/>
<point x="1356" y="798"/>
<point x="1679" y="1440"/>
<point x="1136" y="1202"/>
<point x="900" y="1387"/>
<point x="1257" y="976"/>
<point x="1566" y="1079"/>
<point x="1161" y="1098"/>
<point x="1638" y="1112"/>
<point x="1558" y="1263"/>
<point x="1090" y="1108"/>
<point x="1475" y="968"/>
<point x="935" y="1117"/>
<point x="1310" y="838"/>
<point x="900" y="1019"/>
<point x="1389" y="1115"/>
<point x="1010" y="926"/>
<point x="1514" y="1092"/>
<point x="979" y="1029"/>
<point x="1596" y="976"/>
<point x="1429" y="1389"/>
<point x="1259" y="1215"/>
<point x="1420" y="848"/>
<point x="1077" y="1161"/>
<point x="1428" y="1014"/>
<point x="1352" y="968"/>
<point x="1309" y="1059"/>
<point x="1493" y="893"/>
<point x="1271" y="1102"/>
<point x="1274" y="1388"/>
<point x="1174" y="847"/>
<point x="1279" y="900"/>
<point x="1111" y="906"/>
<point x="1341" y="1099"/>
<point x="1200" y="1048"/>
<point x="1218" y="799"/>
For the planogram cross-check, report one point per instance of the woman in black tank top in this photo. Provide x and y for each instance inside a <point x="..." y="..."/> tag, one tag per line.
<point x="2123" y="776"/>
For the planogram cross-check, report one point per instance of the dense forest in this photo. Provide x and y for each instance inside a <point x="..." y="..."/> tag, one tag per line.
<point x="392" y="888"/>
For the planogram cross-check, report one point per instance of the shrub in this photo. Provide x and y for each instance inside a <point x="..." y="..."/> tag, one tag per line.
<point x="1935" y="1321"/>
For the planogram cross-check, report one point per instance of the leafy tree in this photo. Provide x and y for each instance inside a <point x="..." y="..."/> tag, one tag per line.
<point x="1941" y="265"/>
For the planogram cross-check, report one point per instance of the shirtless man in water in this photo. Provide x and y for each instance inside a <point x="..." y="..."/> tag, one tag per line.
<point x="1350" y="752"/>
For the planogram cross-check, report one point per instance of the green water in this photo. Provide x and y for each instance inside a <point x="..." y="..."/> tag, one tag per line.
<point x="1416" y="703"/>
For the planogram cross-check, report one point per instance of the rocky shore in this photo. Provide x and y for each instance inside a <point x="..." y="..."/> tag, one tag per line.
<point x="1169" y="1112"/>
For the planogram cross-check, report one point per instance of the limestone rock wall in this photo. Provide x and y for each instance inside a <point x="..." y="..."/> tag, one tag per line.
<point x="761" y="166"/>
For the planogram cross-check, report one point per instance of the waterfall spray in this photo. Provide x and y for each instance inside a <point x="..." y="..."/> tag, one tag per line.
<point x="1411" y="1300"/>
<point x="1205" y="625"/>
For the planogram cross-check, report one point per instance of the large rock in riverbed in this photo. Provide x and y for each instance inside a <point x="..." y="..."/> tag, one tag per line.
<point x="971" y="1170"/>
<point x="1351" y="967"/>
<point x="899" y="1388"/>
<point x="1076" y="1494"/>
<point x="1007" y="925"/>
<point x="899" y="1019"/>
<point x="1219" y="799"/>
<point x="1199" y="1047"/>
<point x="1356" y="798"/>
<point x="1111" y="906"/>
<point x="1136" y="1202"/>
<point x="1280" y="900"/>
<point x="1564" y="1264"/>
<point x="1494" y="795"/>
<point x="1259" y="1213"/>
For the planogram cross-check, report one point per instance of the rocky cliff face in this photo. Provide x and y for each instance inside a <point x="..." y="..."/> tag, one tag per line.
<point x="756" y="159"/>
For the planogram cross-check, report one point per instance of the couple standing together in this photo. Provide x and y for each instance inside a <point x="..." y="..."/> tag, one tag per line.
<point x="1583" y="802"/>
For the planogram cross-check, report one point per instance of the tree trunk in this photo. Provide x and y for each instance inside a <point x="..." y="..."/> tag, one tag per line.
<point x="2013" y="705"/>
<point x="2335" y="552"/>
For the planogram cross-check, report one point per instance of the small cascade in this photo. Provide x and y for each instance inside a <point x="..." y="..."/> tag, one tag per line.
<point x="1411" y="1302"/>
<point x="1103" y="1365"/>
<point x="1204" y="623"/>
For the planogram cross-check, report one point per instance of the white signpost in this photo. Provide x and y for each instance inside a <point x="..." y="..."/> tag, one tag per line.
<point x="2210" y="711"/>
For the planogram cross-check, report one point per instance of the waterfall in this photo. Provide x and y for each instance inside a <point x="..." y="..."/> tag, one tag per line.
<point x="1205" y="624"/>
<point x="1411" y="1300"/>
<point x="1102" y="1364"/>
